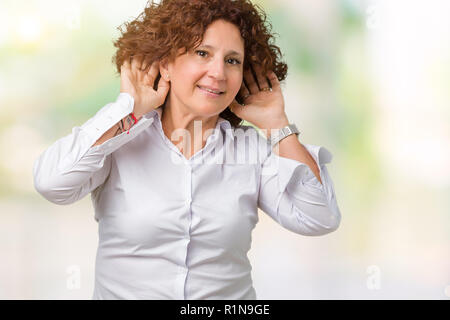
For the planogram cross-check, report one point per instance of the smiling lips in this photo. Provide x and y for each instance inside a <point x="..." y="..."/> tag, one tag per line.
<point x="211" y="91"/>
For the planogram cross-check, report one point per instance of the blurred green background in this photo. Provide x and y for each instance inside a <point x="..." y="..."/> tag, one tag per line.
<point x="369" y="80"/>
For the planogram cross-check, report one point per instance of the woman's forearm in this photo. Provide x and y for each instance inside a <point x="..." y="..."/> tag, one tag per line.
<point x="117" y="129"/>
<point x="290" y="147"/>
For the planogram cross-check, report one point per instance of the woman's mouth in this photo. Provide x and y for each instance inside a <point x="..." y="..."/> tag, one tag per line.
<point x="210" y="93"/>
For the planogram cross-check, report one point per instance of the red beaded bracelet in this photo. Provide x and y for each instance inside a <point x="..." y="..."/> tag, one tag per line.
<point x="135" y="121"/>
<point x="134" y="118"/>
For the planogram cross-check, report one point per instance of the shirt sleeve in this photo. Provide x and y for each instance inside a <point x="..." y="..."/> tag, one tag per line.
<point x="290" y="193"/>
<point x="72" y="167"/>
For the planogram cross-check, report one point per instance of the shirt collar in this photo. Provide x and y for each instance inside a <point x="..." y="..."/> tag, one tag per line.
<point x="222" y="123"/>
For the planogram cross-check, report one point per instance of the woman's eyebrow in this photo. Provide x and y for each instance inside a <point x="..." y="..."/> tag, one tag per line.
<point x="213" y="48"/>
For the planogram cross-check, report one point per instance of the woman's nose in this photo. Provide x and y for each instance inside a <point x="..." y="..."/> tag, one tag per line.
<point x="217" y="70"/>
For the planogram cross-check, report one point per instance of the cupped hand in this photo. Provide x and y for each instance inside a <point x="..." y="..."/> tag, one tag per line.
<point x="263" y="100"/>
<point x="137" y="79"/>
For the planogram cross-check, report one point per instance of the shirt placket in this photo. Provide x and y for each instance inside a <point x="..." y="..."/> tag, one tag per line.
<point x="183" y="269"/>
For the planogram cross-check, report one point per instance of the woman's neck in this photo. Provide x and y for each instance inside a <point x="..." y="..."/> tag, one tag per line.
<point x="186" y="130"/>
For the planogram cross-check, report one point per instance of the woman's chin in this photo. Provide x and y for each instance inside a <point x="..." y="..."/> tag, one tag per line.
<point x="208" y="109"/>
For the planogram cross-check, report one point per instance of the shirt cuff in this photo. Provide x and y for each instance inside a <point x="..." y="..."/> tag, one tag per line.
<point x="116" y="142"/>
<point x="108" y="116"/>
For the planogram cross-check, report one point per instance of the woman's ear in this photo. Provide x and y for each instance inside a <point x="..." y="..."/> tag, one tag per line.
<point x="164" y="69"/>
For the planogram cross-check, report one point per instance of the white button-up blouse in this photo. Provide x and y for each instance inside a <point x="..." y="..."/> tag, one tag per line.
<point x="177" y="228"/>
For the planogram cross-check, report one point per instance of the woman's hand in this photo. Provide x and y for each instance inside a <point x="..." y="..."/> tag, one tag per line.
<point x="137" y="79"/>
<point x="264" y="109"/>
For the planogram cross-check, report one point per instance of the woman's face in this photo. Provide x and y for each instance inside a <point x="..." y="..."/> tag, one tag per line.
<point x="217" y="63"/>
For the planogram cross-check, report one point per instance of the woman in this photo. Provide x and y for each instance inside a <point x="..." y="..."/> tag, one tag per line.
<point x="175" y="210"/>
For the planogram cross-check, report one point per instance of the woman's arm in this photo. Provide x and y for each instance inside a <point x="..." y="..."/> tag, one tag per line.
<point x="71" y="167"/>
<point x="292" y="195"/>
<point x="137" y="79"/>
<point x="120" y="127"/>
<point x="77" y="164"/>
<point x="291" y="148"/>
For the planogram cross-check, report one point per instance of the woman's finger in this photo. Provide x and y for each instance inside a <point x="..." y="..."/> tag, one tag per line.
<point x="273" y="80"/>
<point x="139" y="72"/>
<point x="140" y="59"/>
<point x="146" y="63"/>
<point x="153" y="72"/>
<point x="260" y="77"/>
<point x="134" y="63"/>
<point x="126" y="66"/>
<point x="250" y="81"/>
<point x="244" y="92"/>
<point x="135" y="66"/>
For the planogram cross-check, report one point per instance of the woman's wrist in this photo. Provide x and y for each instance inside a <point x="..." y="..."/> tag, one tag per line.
<point x="129" y="122"/>
<point x="126" y="124"/>
<point x="278" y="124"/>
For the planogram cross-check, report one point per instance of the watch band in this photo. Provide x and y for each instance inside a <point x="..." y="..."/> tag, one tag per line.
<point x="283" y="133"/>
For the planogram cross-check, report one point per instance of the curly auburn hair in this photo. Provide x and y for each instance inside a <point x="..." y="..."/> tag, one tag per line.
<point x="164" y="28"/>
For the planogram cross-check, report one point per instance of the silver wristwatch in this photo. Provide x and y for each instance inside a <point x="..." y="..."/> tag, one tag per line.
<point x="283" y="133"/>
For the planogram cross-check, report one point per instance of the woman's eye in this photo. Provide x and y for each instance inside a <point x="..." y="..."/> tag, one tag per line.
<point x="236" y="61"/>
<point x="203" y="53"/>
